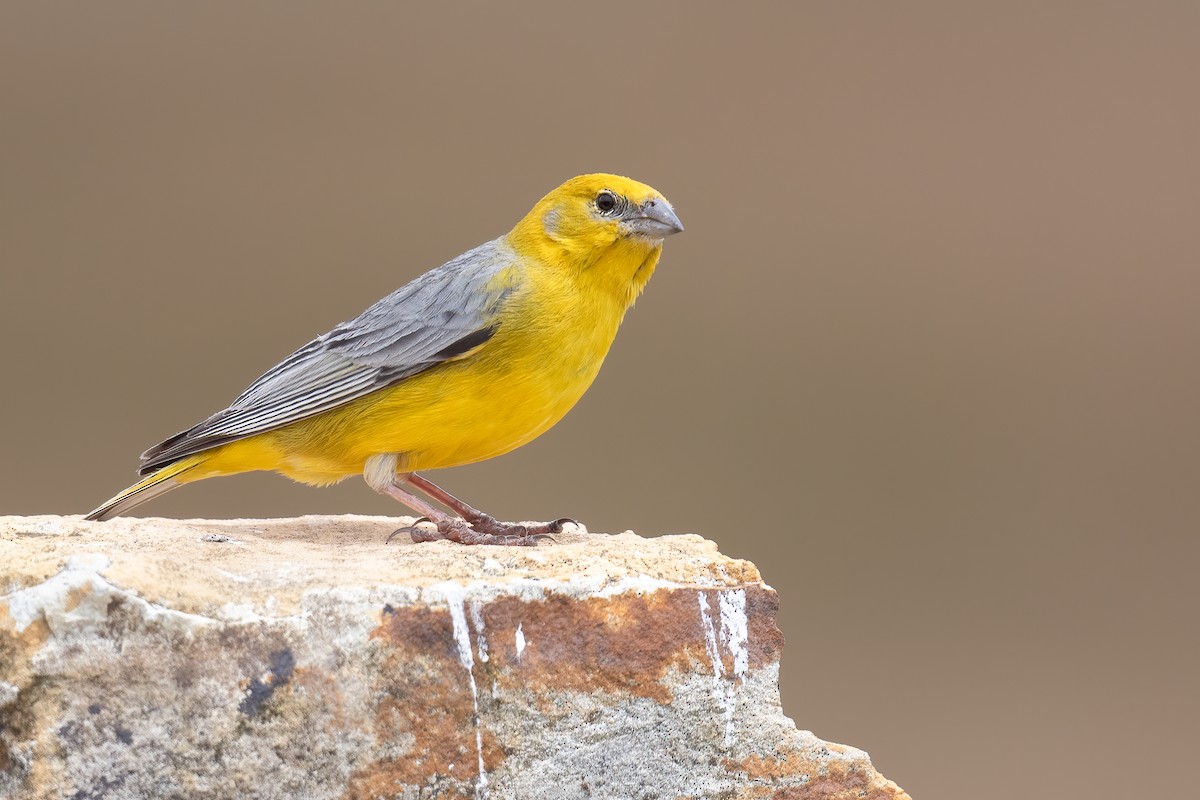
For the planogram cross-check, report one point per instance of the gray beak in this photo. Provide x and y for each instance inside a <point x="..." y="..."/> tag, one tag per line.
<point x="654" y="219"/>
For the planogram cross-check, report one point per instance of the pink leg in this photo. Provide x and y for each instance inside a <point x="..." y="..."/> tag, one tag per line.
<point x="478" y="520"/>
<point x="452" y="528"/>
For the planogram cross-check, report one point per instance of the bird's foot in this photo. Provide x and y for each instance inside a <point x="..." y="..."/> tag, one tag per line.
<point x="485" y="523"/>
<point x="455" y="529"/>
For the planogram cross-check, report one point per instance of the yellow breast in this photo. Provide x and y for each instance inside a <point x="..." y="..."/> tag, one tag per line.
<point x="553" y="334"/>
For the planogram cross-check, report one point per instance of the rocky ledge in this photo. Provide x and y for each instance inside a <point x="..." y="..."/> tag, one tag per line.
<point x="304" y="658"/>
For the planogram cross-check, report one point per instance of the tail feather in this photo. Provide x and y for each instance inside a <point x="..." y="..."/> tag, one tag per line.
<point x="157" y="484"/>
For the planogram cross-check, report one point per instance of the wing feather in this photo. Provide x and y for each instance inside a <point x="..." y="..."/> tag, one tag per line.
<point x="435" y="318"/>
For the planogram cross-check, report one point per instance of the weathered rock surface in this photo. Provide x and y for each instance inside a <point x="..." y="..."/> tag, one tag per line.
<point x="304" y="658"/>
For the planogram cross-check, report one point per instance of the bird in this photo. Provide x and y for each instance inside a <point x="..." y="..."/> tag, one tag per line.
<point x="465" y="363"/>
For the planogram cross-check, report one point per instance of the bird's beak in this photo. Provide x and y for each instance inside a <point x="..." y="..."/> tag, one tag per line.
<point x="654" y="219"/>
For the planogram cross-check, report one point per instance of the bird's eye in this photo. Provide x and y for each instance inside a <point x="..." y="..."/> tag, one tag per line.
<point x="606" y="202"/>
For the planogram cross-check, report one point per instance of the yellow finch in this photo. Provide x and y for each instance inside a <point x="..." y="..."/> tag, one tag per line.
<point x="468" y="361"/>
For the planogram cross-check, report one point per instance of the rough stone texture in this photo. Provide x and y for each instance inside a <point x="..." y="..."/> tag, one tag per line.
<point x="304" y="658"/>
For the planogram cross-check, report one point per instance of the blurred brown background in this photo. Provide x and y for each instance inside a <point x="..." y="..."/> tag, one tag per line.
<point x="927" y="352"/>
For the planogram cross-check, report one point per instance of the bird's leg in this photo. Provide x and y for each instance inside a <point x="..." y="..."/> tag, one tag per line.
<point x="447" y="527"/>
<point x="381" y="475"/>
<point x="484" y="523"/>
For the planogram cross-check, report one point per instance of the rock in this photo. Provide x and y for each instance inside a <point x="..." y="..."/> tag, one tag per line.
<point x="305" y="658"/>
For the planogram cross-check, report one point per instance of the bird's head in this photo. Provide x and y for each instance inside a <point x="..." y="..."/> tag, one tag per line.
<point x="592" y="216"/>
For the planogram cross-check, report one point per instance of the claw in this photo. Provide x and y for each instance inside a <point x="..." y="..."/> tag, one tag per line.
<point x="502" y="534"/>
<point x="418" y="533"/>
<point x="544" y="529"/>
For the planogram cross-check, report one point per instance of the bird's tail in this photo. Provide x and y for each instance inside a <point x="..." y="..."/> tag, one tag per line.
<point x="161" y="482"/>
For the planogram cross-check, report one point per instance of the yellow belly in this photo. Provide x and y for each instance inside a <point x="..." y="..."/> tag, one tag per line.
<point x="509" y="391"/>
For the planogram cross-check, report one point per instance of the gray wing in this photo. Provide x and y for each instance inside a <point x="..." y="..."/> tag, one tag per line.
<point x="439" y="316"/>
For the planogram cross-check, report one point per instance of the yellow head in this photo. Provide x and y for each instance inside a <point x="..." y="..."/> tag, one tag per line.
<point x="594" y="217"/>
